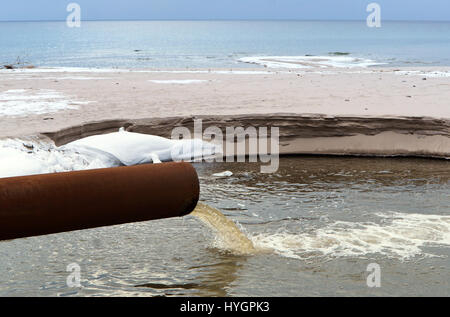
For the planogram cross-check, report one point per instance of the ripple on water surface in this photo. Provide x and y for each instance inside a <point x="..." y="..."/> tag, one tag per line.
<point x="323" y="219"/>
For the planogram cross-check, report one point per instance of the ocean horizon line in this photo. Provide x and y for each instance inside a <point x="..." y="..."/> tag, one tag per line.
<point x="225" y="20"/>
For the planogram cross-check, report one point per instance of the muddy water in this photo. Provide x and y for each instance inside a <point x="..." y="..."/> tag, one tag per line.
<point x="227" y="235"/>
<point x="320" y="220"/>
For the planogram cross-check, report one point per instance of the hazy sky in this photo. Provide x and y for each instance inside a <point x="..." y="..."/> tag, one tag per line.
<point x="11" y="10"/>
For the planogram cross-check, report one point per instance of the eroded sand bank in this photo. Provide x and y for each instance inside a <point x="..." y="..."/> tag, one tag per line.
<point x="334" y="111"/>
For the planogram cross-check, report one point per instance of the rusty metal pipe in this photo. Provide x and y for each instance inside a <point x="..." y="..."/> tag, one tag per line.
<point x="51" y="203"/>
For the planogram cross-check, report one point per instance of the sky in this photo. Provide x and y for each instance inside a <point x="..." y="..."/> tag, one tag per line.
<point x="38" y="10"/>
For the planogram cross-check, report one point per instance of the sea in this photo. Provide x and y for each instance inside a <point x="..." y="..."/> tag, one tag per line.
<point x="225" y="44"/>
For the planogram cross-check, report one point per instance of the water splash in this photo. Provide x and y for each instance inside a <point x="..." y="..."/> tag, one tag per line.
<point x="399" y="235"/>
<point x="228" y="235"/>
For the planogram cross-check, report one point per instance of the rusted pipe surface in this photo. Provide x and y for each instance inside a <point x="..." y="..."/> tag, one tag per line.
<point x="51" y="203"/>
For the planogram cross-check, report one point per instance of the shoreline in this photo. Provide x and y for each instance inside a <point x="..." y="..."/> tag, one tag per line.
<point x="364" y="111"/>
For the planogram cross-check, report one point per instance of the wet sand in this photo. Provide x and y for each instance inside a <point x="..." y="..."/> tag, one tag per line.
<point x="375" y="111"/>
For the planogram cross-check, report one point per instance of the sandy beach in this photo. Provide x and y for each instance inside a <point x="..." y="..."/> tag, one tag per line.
<point x="378" y="111"/>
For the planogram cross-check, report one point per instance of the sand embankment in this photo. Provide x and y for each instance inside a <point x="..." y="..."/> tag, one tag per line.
<point x="302" y="134"/>
<point x="352" y="112"/>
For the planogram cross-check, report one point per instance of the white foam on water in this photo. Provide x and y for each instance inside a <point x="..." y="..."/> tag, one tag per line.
<point x="223" y="174"/>
<point x="309" y="61"/>
<point x="178" y="81"/>
<point x="399" y="235"/>
<point x="22" y="102"/>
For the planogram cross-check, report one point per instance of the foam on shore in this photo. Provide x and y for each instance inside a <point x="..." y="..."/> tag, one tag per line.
<point x="309" y="61"/>
<point x="120" y="70"/>
<point x="429" y="74"/>
<point x="22" y="102"/>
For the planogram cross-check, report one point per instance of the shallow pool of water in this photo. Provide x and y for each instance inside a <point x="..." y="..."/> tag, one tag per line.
<point x="323" y="220"/>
